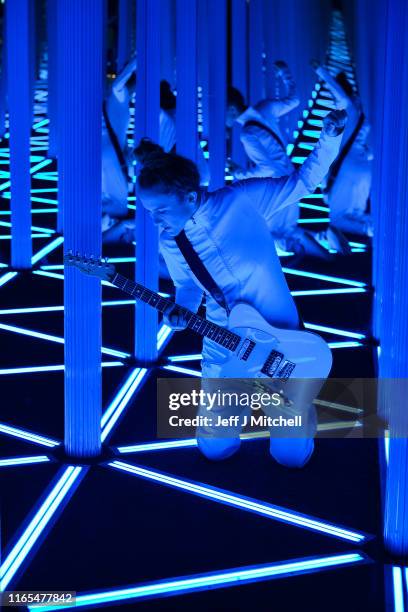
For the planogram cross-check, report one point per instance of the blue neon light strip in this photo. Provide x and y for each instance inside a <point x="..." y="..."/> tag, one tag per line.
<point x="57" y="339"/>
<point x="398" y="589"/>
<point x="47" y="249"/>
<point x="182" y="370"/>
<point x="52" y="368"/>
<point x="7" y="277"/>
<point x="193" y="357"/>
<point x="340" y="345"/>
<point x="37" y="524"/>
<point x="328" y="291"/>
<point x="213" y="580"/>
<point x="239" y="501"/>
<point x="119" y="403"/>
<point x="16" y="432"/>
<point x="24" y="460"/>
<point x="313" y="207"/>
<point x="333" y="330"/>
<point x="325" y="277"/>
<point x="314" y="220"/>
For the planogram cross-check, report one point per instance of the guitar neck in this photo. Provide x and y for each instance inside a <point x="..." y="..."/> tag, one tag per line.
<point x="198" y="324"/>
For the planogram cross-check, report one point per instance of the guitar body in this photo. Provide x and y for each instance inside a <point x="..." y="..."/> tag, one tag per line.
<point x="309" y="352"/>
<point x="300" y="361"/>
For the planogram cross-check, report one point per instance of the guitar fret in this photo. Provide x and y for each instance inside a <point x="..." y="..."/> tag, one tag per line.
<point x="217" y="334"/>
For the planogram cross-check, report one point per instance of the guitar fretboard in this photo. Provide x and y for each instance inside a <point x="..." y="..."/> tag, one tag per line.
<point x="198" y="324"/>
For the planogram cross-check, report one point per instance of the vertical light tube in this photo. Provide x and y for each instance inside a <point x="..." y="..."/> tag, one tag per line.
<point x="217" y="17"/>
<point x="124" y="34"/>
<point x="80" y="49"/>
<point x="147" y="124"/>
<point x="167" y="40"/>
<point x="186" y="113"/>
<point x="52" y="99"/>
<point x="203" y="62"/>
<point x="256" y="48"/>
<point x="390" y="214"/>
<point x="20" y="117"/>
<point x="239" y="60"/>
<point x="3" y="78"/>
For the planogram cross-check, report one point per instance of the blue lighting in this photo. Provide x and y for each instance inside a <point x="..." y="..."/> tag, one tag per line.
<point x="120" y="401"/>
<point x="51" y="338"/>
<point x="339" y="345"/>
<point x="182" y="370"/>
<point x="37" y="524"/>
<point x="223" y="578"/>
<point x="327" y="291"/>
<point x="7" y="277"/>
<point x="315" y="220"/>
<point x="193" y="357"/>
<point x="333" y="330"/>
<point x="27" y="435"/>
<point x="52" y="368"/>
<point x="398" y="589"/>
<point x="239" y="501"/>
<point x="24" y="460"/>
<point x="325" y="277"/>
<point x="156" y="446"/>
<point x="313" y="207"/>
<point x="47" y="249"/>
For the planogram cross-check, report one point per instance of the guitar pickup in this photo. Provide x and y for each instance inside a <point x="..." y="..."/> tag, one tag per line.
<point x="246" y="349"/>
<point x="272" y="364"/>
<point x="286" y="370"/>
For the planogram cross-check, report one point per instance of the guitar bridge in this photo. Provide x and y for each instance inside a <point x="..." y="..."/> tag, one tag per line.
<point x="274" y="366"/>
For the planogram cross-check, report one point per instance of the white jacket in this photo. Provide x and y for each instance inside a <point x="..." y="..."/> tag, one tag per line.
<point x="230" y="231"/>
<point x="265" y="152"/>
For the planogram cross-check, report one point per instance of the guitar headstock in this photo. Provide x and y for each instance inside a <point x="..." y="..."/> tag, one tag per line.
<point x="89" y="265"/>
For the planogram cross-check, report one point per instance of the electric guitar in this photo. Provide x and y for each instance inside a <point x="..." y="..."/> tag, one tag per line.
<point x="298" y="360"/>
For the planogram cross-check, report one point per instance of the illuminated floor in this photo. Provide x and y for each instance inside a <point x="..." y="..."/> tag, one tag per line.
<point x="158" y="519"/>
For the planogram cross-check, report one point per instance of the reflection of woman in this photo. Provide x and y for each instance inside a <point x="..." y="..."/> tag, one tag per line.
<point x="349" y="181"/>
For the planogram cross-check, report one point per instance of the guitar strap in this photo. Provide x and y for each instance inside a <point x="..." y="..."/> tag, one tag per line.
<point x="336" y="166"/>
<point x="199" y="270"/>
<point x="265" y="128"/>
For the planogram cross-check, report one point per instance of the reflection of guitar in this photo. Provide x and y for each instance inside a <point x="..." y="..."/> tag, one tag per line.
<point x="258" y="350"/>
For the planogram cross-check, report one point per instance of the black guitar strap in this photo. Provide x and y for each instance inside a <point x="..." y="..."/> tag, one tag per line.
<point x="199" y="270"/>
<point x="336" y="166"/>
<point x="266" y="128"/>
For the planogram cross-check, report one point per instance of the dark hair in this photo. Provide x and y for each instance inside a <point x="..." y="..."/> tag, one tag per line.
<point x="235" y="98"/>
<point x="345" y="84"/>
<point x="147" y="149"/>
<point x="167" y="97"/>
<point x="165" y="172"/>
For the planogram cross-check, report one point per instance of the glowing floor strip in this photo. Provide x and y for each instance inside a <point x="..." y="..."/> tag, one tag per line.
<point x="325" y="277"/>
<point x="333" y="330"/>
<point x="47" y="249"/>
<point x="213" y="580"/>
<point x="52" y="368"/>
<point x="24" y="460"/>
<point x="239" y="501"/>
<point x="37" y="524"/>
<point x="16" y="432"/>
<point x="57" y="339"/>
<point x="7" y="277"/>
<point x="327" y="291"/>
<point x="182" y="370"/>
<point x="340" y="345"/>
<point x="193" y="357"/>
<point x="398" y="589"/>
<point x="117" y="406"/>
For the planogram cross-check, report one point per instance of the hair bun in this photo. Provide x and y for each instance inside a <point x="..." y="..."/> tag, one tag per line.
<point x="147" y="150"/>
